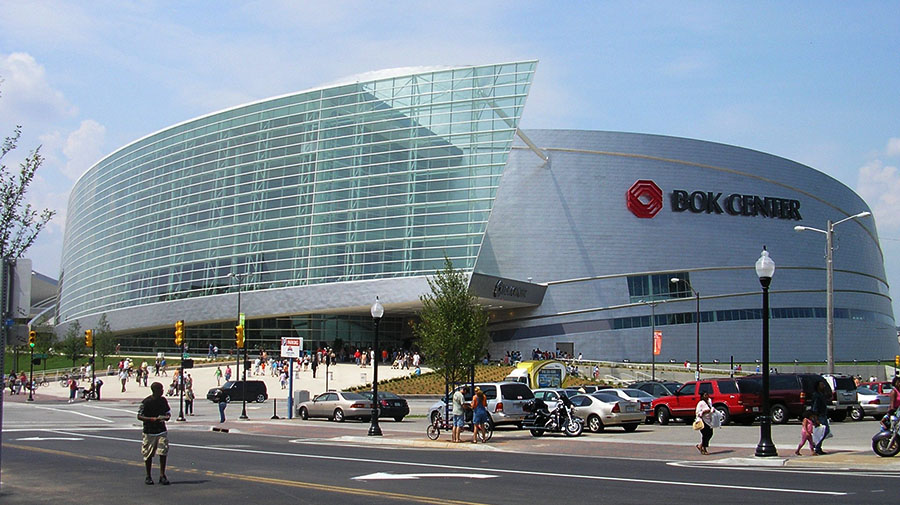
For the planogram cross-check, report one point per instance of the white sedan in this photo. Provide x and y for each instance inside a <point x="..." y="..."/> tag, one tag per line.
<point x="602" y="409"/>
<point x="637" y="395"/>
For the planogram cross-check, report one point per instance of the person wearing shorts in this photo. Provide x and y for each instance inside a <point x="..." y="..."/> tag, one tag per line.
<point x="154" y="412"/>
<point x="459" y="414"/>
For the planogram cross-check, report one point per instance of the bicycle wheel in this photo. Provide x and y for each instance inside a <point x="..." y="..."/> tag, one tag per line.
<point x="488" y="429"/>
<point x="433" y="432"/>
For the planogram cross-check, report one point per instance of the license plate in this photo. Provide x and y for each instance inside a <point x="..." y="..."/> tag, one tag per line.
<point x="755" y="409"/>
<point x="629" y="408"/>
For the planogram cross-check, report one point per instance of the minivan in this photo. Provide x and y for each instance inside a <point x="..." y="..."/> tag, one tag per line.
<point x="503" y="408"/>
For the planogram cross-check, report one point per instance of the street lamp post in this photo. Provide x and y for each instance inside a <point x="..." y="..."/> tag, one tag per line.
<point x="765" y="269"/>
<point x="829" y="281"/>
<point x="377" y="311"/>
<point x="697" y="318"/>
<point x="240" y="280"/>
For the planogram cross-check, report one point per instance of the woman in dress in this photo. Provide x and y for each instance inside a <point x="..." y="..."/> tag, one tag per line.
<point x="479" y="416"/>
<point x="704" y="412"/>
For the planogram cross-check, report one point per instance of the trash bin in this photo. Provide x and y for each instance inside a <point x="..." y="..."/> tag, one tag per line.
<point x="300" y="397"/>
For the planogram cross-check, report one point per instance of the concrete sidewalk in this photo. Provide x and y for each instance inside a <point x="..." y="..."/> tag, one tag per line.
<point x="342" y="376"/>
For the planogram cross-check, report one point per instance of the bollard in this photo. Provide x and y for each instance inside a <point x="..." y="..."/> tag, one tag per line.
<point x="275" y="408"/>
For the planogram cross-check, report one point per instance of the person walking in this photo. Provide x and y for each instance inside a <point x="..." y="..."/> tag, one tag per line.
<point x="820" y="401"/>
<point x="219" y="398"/>
<point x="810" y="420"/>
<point x="218" y="376"/>
<point x="479" y="416"/>
<point x="227" y="373"/>
<point x="189" y="401"/>
<point x="459" y="413"/>
<point x="123" y="377"/>
<point x="73" y="388"/>
<point x="704" y="413"/>
<point x="154" y="412"/>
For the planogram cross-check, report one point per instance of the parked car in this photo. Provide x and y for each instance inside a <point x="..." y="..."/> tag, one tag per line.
<point x="586" y="389"/>
<point x="726" y="397"/>
<point x="884" y="387"/>
<point x="873" y="403"/>
<point x="657" y="388"/>
<point x="503" y="408"/>
<point x="644" y="398"/>
<point x="844" y="400"/>
<point x="235" y="391"/>
<point x="789" y="393"/>
<point x="337" y="406"/>
<point x="551" y="396"/>
<point x="389" y="405"/>
<point x="601" y="409"/>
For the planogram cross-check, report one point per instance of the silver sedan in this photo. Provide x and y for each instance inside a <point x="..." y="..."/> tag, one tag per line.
<point x="601" y="409"/>
<point x="337" y="406"/>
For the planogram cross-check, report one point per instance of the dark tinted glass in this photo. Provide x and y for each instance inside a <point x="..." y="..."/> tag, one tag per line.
<point x="750" y="385"/>
<point x="687" y="389"/>
<point x="516" y="392"/>
<point x="845" y="383"/>
<point x="728" y="387"/>
<point x="705" y="387"/>
<point x="783" y="382"/>
<point x="606" y="397"/>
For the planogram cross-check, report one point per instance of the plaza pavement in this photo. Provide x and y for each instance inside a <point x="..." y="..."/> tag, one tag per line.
<point x="341" y="376"/>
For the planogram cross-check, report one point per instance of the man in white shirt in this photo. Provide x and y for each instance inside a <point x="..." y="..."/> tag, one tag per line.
<point x="459" y="417"/>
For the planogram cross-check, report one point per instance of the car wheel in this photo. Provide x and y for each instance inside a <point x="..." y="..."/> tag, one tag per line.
<point x="856" y="413"/>
<point x="304" y="414"/>
<point x="338" y="416"/>
<point x="662" y="415"/>
<point x="260" y="398"/>
<point x="726" y="417"/>
<point x="537" y="433"/>
<point x="630" y="427"/>
<point x="779" y="414"/>
<point x="398" y="419"/>
<point x="594" y="423"/>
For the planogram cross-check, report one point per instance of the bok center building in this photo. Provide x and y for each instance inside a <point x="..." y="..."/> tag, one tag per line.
<point x="297" y="211"/>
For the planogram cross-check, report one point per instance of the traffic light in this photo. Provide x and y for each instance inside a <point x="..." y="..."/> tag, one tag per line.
<point x="89" y="338"/>
<point x="32" y="335"/>
<point x="179" y="332"/>
<point x="239" y="336"/>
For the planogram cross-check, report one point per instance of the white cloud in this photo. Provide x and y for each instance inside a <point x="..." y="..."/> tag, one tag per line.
<point x="893" y="147"/>
<point x="83" y="148"/>
<point x="27" y="95"/>
<point x="879" y="185"/>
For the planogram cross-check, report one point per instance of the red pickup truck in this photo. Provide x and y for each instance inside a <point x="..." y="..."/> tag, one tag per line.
<point x="725" y="395"/>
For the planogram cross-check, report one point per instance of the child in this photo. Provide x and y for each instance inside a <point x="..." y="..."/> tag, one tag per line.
<point x="810" y="421"/>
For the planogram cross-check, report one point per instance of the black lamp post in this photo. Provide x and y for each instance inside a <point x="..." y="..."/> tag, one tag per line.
<point x="377" y="311"/>
<point x="696" y="317"/>
<point x="765" y="269"/>
<point x="240" y="280"/>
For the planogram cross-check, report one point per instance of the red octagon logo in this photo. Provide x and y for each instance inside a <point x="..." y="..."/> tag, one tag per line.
<point x="644" y="199"/>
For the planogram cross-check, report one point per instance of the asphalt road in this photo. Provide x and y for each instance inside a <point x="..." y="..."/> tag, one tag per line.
<point x="59" y="453"/>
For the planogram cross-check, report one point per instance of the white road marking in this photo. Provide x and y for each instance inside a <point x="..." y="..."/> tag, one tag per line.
<point x="416" y="476"/>
<point x="495" y="470"/>
<point x="77" y="413"/>
<point x="40" y="439"/>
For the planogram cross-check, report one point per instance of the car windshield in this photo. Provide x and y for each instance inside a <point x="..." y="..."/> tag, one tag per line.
<point x="637" y="393"/>
<point x="606" y="397"/>
<point x="381" y="394"/>
<point x="865" y="391"/>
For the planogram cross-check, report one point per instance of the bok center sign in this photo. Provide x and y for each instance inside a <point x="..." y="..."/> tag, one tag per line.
<point x="644" y="200"/>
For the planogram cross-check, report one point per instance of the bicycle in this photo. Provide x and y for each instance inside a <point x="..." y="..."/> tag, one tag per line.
<point x="433" y="431"/>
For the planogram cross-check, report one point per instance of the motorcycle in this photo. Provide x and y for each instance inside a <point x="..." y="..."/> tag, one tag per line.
<point x="562" y="419"/>
<point x="886" y="443"/>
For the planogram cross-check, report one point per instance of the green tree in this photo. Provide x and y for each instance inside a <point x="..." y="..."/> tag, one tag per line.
<point x="72" y="346"/>
<point x="452" y="327"/>
<point x="104" y="340"/>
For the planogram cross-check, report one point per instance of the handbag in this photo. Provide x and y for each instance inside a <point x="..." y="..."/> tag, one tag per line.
<point x="698" y="424"/>
<point x="717" y="418"/>
<point x="818" y="433"/>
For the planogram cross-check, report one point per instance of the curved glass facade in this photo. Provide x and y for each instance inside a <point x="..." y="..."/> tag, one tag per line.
<point x="359" y="181"/>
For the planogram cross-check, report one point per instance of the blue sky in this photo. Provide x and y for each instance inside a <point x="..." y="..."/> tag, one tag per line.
<point x="818" y="83"/>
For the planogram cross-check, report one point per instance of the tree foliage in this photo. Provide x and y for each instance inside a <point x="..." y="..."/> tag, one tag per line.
<point x="452" y="327"/>
<point x="20" y="224"/>
<point x="104" y="340"/>
<point x="73" y="345"/>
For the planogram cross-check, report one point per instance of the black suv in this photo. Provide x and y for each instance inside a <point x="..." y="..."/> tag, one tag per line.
<point x="789" y="393"/>
<point x="235" y="391"/>
<point x="657" y="388"/>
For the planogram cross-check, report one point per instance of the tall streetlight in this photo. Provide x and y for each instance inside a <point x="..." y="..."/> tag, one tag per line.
<point x="674" y="280"/>
<point x="653" y="336"/>
<point x="377" y="311"/>
<point x="765" y="269"/>
<point x="240" y="280"/>
<point x="829" y="281"/>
